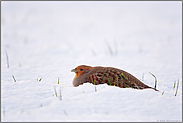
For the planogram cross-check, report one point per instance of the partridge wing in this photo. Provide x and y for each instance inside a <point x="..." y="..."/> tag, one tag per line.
<point x="114" y="77"/>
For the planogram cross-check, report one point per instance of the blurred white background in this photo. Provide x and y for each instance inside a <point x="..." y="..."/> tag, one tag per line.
<point x="47" y="39"/>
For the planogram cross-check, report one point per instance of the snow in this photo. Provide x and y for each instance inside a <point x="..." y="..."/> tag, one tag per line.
<point x="48" y="39"/>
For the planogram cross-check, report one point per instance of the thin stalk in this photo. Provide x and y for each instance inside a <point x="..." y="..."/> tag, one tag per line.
<point x="177" y="88"/>
<point x="155" y="80"/>
<point x="87" y="79"/>
<point x="13" y="78"/>
<point x="7" y="59"/>
<point x="4" y="112"/>
<point x="60" y="95"/>
<point x="103" y="76"/>
<point x="163" y="93"/>
<point x="65" y="112"/>
<point x="40" y="79"/>
<point x="109" y="48"/>
<point x="143" y="77"/>
<point x="95" y="89"/>
<point x="174" y="84"/>
<point x="55" y="91"/>
<point x="108" y="80"/>
<point x="123" y="81"/>
<point x="94" y="54"/>
<point x="58" y="80"/>
<point x="127" y="80"/>
<point x="116" y="47"/>
<point x="117" y="80"/>
<point x="94" y="82"/>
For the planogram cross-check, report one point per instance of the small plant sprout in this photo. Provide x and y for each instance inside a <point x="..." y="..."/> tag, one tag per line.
<point x="3" y="111"/>
<point x="155" y="80"/>
<point x="40" y="79"/>
<point x="103" y="76"/>
<point x="127" y="80"/>
<point x="143" y="77"/>
<point x="55" y="91"/>
<point x="117" y="80"/>
<point x="14" y="78"/>
<point x="95" y="84"/>
<point x="116" y="47"/>
<point x="109" y="48"/>
<point x="162" y="92"/>
<point x="177" y="88"/>
<point x="87" y="79"/>
<point x="95" y="89"/>
<point x="65" y="112"/>
<point x="94" y="54"/>
<point x="60" y="94"/>
<point x="174" y="84"/>
<point x="123" y="81"/>
<point x="108" y="80"/>
<point x="58" y="80"/>
<point x="7" y="59"/>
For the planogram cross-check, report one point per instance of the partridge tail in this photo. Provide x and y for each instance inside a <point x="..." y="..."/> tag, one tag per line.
<point x="152" y="88"/>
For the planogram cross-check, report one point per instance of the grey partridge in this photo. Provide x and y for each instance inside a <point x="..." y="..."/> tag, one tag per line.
<point x="109" y="75"/>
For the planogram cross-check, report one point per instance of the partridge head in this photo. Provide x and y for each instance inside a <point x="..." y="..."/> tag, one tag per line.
<point x="109" y="75"/>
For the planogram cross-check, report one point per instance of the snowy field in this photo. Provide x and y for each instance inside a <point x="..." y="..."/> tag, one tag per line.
<point x="45" y="40"/>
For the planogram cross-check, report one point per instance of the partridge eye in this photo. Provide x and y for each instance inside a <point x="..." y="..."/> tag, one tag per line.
<point x="81" y="69"/>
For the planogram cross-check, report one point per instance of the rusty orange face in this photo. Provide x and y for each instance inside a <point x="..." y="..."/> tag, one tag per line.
<point x="80" y="70"/>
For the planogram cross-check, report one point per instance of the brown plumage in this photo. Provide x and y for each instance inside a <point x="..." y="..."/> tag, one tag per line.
<point x="109" y="75"/>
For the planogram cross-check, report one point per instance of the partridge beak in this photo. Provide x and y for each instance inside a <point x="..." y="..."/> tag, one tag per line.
<point x="73" y="70"/>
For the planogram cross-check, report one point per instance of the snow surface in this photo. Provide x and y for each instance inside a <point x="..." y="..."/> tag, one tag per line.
<point x="48" y="39"/>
